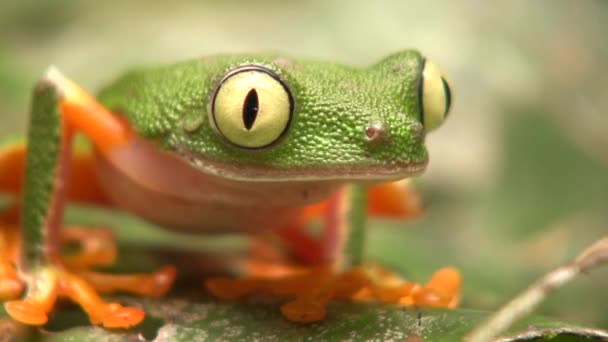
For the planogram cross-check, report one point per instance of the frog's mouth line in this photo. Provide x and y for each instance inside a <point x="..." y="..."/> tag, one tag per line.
<point x="372" y="173"/>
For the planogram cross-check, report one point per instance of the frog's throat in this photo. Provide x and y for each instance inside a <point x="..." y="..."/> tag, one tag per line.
<point x="252" y="173"/>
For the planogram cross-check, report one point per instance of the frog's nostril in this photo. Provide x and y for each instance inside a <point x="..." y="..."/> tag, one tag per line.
<point x="374" y="132"/>
<point x="371" y="132"/>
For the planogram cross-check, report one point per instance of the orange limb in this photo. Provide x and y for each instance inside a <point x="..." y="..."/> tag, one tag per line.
<point x="82" y="185"/>
<point x="317" y="250"/>
<point x="156" y="284"/>
<point x="301" y="245"/>
<point x="84" y="114"/>
<point x="69" y="276"/>
<point x="98" y="247"/>
<point x="10" y="284"/>
<point x="396" y="200"/>
<point x="12" y="168"/>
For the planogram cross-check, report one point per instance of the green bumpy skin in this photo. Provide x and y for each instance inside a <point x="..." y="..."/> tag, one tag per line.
<point x="334" y="104"/>
<point x="44" y="145"/>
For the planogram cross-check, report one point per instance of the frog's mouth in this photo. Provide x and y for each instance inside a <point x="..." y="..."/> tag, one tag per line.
<point x="140" y="170"/>
<point x="354" y="173"/>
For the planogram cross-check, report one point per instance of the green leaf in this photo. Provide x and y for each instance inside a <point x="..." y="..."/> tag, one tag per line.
<point x="190" y="319"/>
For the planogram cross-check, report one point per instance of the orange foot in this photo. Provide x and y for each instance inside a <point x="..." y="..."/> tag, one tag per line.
<point x="312" y="290"/>
<point x="99" y="248"/>
<point x="75" y="281"/>
<point x="50" y="282"/>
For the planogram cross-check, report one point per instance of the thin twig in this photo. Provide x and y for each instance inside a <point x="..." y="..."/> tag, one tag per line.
<point x="523" y="304"/>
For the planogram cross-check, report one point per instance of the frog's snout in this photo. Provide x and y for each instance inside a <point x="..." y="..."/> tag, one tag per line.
<point x="378" y="132"/>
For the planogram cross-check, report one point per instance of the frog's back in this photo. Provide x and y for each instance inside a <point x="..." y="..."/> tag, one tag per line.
<point x="155" y="100"/>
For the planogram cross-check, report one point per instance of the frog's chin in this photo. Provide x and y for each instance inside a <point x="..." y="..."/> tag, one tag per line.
<point x="356" y="173"/>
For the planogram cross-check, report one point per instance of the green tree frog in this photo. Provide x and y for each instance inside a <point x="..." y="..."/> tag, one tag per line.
<point x="238" y="143"/>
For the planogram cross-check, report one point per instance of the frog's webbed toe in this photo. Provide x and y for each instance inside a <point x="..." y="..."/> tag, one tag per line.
<point x="72" y="278"/>
<point x="312" y="290"/>
<point x="442" y="290"/>
<point x="98" y="247"/>
<point x="47" y="283"/>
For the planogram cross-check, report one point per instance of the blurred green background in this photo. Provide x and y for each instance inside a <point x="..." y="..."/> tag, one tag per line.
<point x="518" y="179"/>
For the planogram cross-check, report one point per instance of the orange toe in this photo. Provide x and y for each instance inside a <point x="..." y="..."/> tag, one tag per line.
<point x="27" y="312"/>
<point x="228" y="289"/>
<point x="156" y="284"/>
<point x="442" y="291"/>
<point x="304" y="310"/>
<point x="393" y="294"/>
<point x="161" y="281"/>
<point x="123" y="317"/>
<point x="446" y="281"/>
<point x="430" y="299"/>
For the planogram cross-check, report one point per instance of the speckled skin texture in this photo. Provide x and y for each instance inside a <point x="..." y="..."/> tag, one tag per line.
<point x="44" y="144"/>
<point x="334" y="105"/>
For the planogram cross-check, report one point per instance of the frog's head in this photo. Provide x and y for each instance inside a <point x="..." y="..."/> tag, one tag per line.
<point x="261" y="117"/>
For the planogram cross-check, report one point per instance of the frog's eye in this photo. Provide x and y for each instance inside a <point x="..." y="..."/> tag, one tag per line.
<point x="251" y="107"/>
<point x="435" y="96"/>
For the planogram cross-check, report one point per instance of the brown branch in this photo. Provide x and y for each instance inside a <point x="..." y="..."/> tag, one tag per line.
<point x="524" y="303"/>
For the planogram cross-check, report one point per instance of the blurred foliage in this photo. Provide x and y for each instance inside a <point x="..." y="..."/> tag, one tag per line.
<point x="517" y="182"/>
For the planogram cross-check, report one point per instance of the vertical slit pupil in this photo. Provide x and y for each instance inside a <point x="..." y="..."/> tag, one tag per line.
<point x="250" y="108"/>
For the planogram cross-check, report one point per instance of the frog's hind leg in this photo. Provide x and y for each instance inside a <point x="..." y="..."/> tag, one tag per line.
<point x="59" y="110"/>
<point x="395" y="200"/>
<point x="11" y="178"/>
<point x="10" y="284"/>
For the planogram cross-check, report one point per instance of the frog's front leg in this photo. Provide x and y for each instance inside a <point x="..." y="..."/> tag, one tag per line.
<point x="59" y="110"/>
<point x="341" y="272"/>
